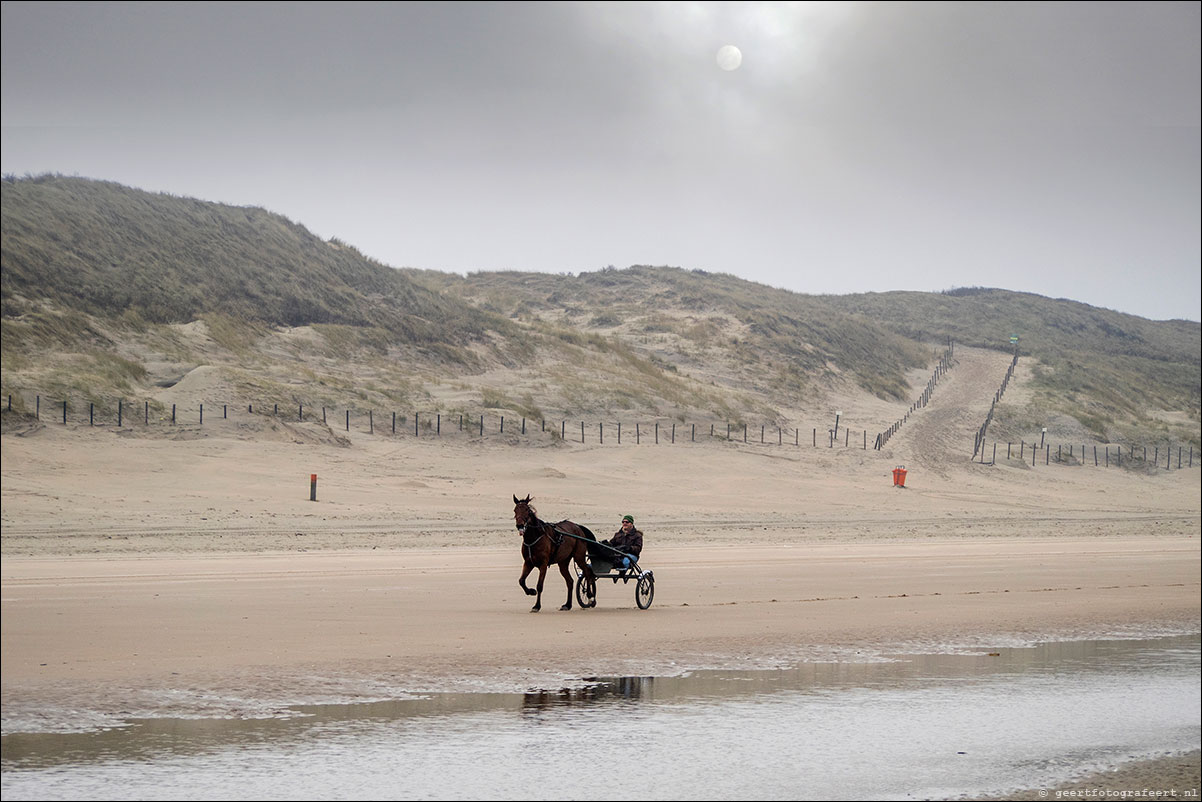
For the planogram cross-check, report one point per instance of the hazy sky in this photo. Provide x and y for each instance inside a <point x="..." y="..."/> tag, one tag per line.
<point x="1044" y="147"/>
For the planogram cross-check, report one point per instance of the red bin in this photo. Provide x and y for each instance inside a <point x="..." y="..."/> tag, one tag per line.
<point x="899" y="476"/>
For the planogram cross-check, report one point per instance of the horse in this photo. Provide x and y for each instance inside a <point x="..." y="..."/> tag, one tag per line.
<point x="544" y="543"/>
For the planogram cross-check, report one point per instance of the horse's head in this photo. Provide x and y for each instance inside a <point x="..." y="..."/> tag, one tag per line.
<point x="523" y="513"/>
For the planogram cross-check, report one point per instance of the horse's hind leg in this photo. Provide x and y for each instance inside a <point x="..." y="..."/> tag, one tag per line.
<point x="585" y="568"/>
<point x="567" y="577"/>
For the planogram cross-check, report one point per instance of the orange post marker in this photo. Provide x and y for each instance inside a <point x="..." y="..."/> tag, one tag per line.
<point x="312" y="487"/>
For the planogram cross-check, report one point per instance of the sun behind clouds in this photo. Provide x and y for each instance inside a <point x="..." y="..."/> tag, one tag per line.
<point x="729" y="57"/>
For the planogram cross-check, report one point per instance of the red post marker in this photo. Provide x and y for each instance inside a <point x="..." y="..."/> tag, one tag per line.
<point x="312" y="487"/>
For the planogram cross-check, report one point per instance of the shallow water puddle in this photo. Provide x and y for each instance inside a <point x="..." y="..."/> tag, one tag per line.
<point x="923" y="726"/>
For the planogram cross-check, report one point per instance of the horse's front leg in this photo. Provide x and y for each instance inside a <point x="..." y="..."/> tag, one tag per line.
<point x="526" y="569"/>
<point x="567" y="577"/>
<point x="538" y="601"/>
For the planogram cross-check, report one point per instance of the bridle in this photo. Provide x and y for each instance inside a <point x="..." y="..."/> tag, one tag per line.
<point x="532" y="522"/>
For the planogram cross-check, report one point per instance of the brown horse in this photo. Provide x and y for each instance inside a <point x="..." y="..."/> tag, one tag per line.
<point x="544" y="543"/>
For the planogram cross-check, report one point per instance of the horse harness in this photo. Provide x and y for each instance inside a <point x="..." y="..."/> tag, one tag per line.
<point x="556" y="537"/>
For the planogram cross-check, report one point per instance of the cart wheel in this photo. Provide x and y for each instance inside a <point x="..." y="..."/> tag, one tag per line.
<point x="586" y="592"/>
<point x="644" y="592"/>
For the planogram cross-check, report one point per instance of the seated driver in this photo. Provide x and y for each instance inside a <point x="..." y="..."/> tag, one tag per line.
<point x="628" y="540"/>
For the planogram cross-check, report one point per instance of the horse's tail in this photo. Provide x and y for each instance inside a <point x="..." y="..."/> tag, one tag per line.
<point x="596" y="549"/>
<point x="590" y="539"/>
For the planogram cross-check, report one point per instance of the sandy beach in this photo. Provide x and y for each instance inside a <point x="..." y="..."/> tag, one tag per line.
<point x="133" y="565"/>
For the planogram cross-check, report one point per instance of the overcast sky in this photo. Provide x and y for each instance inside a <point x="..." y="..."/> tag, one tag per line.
<point x="858" y="147"/>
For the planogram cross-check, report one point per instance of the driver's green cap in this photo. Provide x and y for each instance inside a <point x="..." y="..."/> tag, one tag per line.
<point x="626" y="518"/>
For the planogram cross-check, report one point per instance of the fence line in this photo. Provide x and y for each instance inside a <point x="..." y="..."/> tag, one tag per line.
<point x="942" y="367"/>
<point x="1142" y="456"/>
<point x="654" y="432"/>
<point x="979" y="444"/>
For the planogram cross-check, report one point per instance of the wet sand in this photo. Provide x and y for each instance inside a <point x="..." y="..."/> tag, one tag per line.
<point x="99" y="633"/>
<point x="1174" y="777"/>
